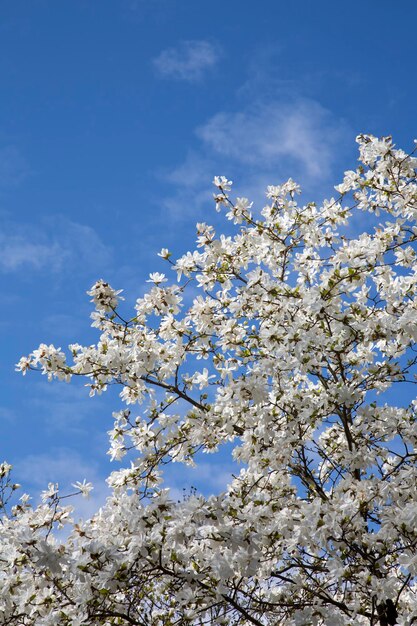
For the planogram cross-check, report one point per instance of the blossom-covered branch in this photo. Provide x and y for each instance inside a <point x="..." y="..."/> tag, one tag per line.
<point x="300" y="328"/>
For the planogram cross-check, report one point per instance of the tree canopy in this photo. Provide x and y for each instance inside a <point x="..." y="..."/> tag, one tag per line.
<point x="285" y="339"/>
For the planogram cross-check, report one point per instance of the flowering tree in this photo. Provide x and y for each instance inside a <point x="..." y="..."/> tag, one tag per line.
<point x="294" y="339"/>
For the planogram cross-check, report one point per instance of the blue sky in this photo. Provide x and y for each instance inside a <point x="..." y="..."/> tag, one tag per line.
<point x="114" y="117"/>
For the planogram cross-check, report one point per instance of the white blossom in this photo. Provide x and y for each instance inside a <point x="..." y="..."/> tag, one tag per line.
<point x="84" y="487"/>
<point x="304" y="326"/>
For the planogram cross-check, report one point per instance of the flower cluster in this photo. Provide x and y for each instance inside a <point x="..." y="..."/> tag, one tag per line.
<point x="303" y="327"/>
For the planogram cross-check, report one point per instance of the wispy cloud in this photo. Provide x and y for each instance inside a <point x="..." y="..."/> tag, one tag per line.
<point x="68" y="409"/>
<point x="54" y="245"/>
<point x="13" y="166"/>
<point x="188" y="61"/>
<point x="301" y="133"/>
<point x="191" y="184"/>
<point x="260" y="144"/>
<point x="154" y="10"/>
<point x="277" y="128"/>
<point x="63" y="466"/>
<point x="18" y="252"/>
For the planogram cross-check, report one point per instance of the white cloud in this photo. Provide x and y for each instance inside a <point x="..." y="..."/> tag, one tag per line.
<point x="13" y="166"/>
<point x="68" y="409"/>
<point x="260" y="145"/>
<point x="53" y="246"/>
<point x="64" y="466"/>
<point x="191" y="172"/>
<point x="17" y="252"/>
<point x="192" y="185"/>
<point x="302" y="133"/>
<point x="61" y="465"/>
<point x="188" y="61"/>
